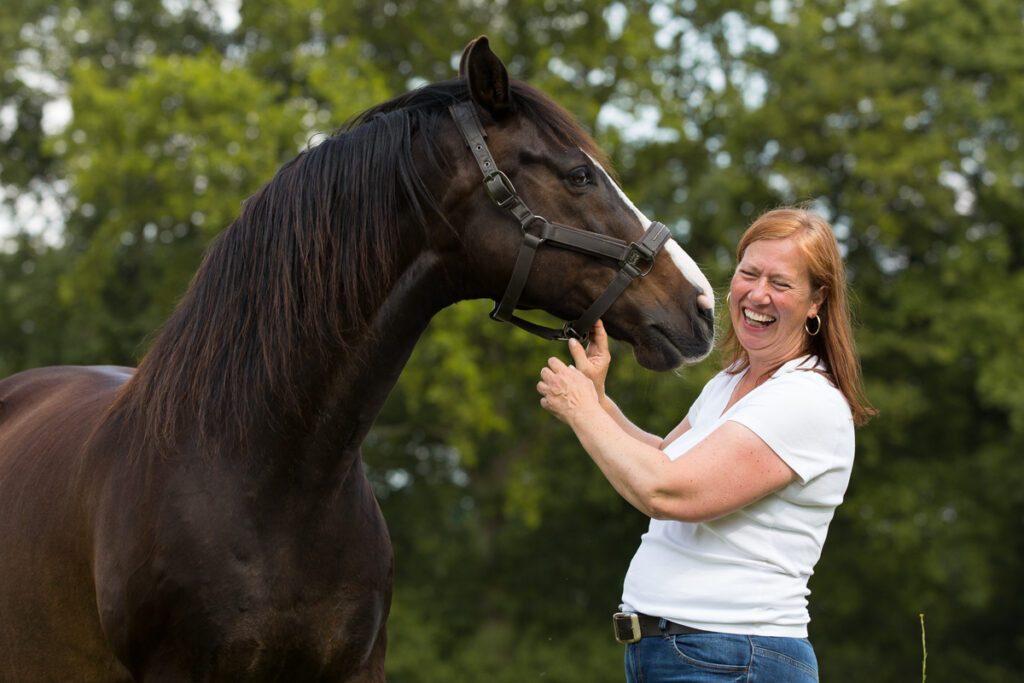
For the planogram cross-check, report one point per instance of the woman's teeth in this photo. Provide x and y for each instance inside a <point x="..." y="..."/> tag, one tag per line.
<point x="757" y="319"/>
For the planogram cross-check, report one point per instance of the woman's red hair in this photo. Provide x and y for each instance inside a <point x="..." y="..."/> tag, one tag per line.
<point x="834" y="344"/>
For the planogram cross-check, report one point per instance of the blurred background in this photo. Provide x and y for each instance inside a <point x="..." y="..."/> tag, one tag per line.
<point x="131" y="130"/>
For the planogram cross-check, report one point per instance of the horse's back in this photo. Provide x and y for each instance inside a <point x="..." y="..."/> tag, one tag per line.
<point x="47" y="488"/>
<point x="32" y="390"/>
<point x="46" y="418"/>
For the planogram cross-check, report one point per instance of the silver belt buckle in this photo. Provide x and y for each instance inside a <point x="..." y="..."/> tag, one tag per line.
<point x="627" y="627"/>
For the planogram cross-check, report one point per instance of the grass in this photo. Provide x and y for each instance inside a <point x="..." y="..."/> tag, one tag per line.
<point x="924" y="651"/>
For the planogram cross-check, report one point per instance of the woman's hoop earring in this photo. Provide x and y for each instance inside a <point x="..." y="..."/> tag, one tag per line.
<point x="728" y="297"/>
<point x="816" y="329"/>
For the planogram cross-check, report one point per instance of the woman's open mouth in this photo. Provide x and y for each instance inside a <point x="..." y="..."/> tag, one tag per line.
<point x="758" y="320"/>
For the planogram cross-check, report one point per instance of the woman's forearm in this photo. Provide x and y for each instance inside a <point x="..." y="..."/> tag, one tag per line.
<point x="627" y="426"/>
<point x="633" y="465"/>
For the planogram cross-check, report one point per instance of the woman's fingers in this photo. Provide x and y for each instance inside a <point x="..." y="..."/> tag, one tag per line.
<point x="598" y="339"/>
<point x="556" y="364"/>
<point x="578" y="353"/>
<point x="598" y="346"/>
<point x="549" y="383"/>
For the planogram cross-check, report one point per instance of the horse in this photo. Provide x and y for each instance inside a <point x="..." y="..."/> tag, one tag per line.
<point x="206" y="515"/>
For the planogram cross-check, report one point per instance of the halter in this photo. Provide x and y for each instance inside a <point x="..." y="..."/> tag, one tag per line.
<point x="635" y="259"/>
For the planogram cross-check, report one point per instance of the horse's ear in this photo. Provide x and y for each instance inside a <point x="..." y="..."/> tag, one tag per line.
<point x="465" y="55"/>
<point x="486" y="77"/>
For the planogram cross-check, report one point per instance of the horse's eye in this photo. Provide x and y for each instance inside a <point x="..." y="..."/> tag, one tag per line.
<point x="580" y="177"/>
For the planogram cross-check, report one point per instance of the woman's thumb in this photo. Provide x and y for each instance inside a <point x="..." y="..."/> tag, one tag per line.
<point x="579" y="354"/>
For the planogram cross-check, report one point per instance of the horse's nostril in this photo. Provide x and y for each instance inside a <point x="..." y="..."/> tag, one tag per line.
<point x="706" y="304"/>
<point x="703" y="304"/>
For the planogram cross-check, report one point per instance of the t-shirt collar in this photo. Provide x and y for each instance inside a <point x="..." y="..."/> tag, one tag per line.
<point x="805" y="362"/>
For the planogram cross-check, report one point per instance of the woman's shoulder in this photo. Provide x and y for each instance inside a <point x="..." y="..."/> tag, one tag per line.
<point x="806" y="382"/>
<point x="803" y="417"/>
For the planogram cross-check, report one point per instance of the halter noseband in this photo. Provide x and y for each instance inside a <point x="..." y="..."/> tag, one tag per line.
<point x="538" y="230"/>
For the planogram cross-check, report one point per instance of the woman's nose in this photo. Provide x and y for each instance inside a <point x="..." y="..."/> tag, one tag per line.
<point x="760" y="292"/>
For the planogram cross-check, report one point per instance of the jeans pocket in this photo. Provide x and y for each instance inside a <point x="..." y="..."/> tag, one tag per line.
<point x="795" y="665"/>
<point x="714" y="652"/>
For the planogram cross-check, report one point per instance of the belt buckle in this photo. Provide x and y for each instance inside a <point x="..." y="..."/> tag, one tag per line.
<point x="627" y="627"/>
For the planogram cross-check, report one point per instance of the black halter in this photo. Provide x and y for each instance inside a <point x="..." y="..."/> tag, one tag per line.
<point x="634" y="259"/>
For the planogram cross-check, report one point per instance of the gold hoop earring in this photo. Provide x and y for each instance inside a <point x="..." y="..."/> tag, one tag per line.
<point x="816" y="329"/>
<point x="728" y="297"/>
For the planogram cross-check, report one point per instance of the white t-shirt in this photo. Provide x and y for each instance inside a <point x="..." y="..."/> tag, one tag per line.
<point x="747" y="572"/>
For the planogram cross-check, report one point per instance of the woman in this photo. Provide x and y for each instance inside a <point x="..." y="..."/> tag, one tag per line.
<point x="741" y="492"/>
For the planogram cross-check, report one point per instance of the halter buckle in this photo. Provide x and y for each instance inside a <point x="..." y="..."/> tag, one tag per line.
<point x="636" y="254"/>
<point x="500" y="189"/>
<point x="570" y="332"/>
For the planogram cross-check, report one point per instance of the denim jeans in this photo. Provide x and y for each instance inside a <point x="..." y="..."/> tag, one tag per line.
<point x="720" y="658"/>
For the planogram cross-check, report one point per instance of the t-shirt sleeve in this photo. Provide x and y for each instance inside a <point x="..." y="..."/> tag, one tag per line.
<point x="804" y="419"/>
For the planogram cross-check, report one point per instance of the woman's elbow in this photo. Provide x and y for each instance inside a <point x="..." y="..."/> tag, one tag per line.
<point x="667" y="506"/>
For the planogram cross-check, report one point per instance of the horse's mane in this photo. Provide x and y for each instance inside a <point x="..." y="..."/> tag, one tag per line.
<point x="298" y="273"/>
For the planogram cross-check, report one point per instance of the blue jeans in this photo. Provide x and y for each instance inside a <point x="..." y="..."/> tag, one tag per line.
<point x="720" y="658"/>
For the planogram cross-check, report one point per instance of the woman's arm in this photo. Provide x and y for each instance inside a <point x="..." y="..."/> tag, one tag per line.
<point x="728" y="470"/>
<point x="624" y="423"/>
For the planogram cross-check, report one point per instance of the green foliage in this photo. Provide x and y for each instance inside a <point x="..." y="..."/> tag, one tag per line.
<point x="901" y="122"/>
<point x="31" y="326"/>
<point x="160" y="163"/>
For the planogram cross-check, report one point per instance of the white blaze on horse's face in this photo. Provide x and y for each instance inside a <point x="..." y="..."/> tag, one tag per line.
<point x="686" y="265"/>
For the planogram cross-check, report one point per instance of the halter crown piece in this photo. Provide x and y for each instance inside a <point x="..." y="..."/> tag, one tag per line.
<point x="635" y="259"/>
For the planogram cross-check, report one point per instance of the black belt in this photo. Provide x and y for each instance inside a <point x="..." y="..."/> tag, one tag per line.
<point x="631" y="627"/>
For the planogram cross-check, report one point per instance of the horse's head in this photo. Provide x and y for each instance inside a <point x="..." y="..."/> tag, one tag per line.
<point x="548" y="228"/>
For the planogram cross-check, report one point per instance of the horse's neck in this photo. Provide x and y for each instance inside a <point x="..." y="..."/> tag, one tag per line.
<point x="363" y="377"/>
<point x="366" y="377"/>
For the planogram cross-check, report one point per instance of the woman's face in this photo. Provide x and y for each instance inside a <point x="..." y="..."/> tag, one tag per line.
<point x="771" y="299"/>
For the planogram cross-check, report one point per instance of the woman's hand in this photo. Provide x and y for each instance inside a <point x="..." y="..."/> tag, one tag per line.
<point x="596" y="359"/>
<point x="566" y="392"/>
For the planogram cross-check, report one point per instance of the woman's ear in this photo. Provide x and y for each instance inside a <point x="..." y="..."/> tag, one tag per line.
<point x="818" y="300"/>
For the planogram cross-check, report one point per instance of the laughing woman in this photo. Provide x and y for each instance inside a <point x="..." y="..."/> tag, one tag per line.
<point x="741" y="492"/>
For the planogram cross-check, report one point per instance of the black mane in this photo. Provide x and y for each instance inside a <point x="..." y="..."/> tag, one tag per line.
<point x="298" y="273"/>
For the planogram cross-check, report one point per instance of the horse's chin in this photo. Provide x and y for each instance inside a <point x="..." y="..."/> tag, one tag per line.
<point x="658" y="349"/>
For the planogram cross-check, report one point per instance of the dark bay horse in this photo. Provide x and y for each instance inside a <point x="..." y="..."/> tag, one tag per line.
<point x="206" y="516"/>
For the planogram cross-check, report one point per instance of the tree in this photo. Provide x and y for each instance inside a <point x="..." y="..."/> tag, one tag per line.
<point x="901" y="122"/>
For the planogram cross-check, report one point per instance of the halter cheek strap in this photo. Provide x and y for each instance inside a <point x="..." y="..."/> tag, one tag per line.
<point x="635" y="259"/>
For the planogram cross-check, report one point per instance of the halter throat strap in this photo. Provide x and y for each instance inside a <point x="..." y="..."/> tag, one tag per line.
<point x="634" y="259"/>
